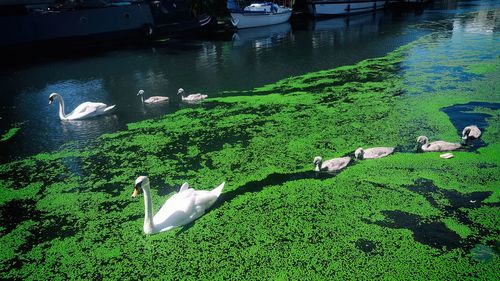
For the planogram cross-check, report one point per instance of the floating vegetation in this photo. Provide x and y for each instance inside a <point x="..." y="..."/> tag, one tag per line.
<point x="482" y="253"/>
<point x="11" y="132"/>
<point x="69" y="215"/>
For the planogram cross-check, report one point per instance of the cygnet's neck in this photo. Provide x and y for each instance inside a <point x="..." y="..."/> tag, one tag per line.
<point x="318" y="166"/>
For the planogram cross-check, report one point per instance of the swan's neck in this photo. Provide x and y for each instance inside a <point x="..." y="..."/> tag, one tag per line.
<point x="142" y="98"/>
<point x="62" y="115"/>
<point x="148" y="212"/>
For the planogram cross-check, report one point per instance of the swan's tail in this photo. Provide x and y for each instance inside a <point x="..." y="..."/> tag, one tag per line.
<point x="109" y="108"/>
<point x="218" y="190"/>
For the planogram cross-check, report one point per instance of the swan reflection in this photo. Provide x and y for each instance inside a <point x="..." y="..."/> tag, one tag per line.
<point x="89" y="129"/>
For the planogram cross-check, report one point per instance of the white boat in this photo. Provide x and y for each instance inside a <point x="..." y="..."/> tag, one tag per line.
<point x="260" y="14"/>
<point x="320" y="8"/>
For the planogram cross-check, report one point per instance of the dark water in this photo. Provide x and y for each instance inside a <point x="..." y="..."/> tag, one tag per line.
<point x="433" y="232"/>
<point x="247" y="59"/>
<point x="463" y="115"/>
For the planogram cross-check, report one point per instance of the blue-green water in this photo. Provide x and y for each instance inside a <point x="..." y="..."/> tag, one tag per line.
<point x="252" y="58"/>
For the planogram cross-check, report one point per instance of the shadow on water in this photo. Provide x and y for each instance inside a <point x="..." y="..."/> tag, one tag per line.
<point x="435" y="233"/>
<point x="256" y="186"/>
<point x="366" y="246"/>
<point x="45" y="228"/>
<point x="14" y="212"/>
<point x="463" y="115"/>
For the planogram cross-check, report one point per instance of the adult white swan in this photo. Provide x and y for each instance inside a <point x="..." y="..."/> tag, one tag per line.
<point x="180" y="209"/>
<point x="332" y="165"/>
<point x="436" y="145"/>
<point x="153" y="99"/>
<point x="192" y="97"/>
<point x="471" y="132"/>
<point x="371" y="153"/>
<point x="83" y="111"/>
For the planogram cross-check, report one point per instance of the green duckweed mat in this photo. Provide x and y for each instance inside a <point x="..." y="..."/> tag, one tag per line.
<point x="11" y="132"/>
<point x="68" y="214"/>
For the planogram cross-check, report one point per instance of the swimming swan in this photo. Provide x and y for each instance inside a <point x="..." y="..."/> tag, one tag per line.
<point x="436" y="145"/>
<point x="182" y="208"/>
<point x="471" y="132"/>
<point x="192" y="97"/>
<point x="83" y="111"/>
<point x="331" y="165"/>
<point x="153" y="99"/>
<point x="371" y="153"/>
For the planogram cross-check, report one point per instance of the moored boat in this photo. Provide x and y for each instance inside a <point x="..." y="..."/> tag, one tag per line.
<point x="69" y="22"/>
<point x="320" y="8"/>
<point x="260" y="14"/>
<point x="42" y="22"/>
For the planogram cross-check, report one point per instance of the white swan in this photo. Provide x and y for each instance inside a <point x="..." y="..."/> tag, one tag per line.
<point x="371" y="153"/>
<point x="471" y="132"/>
<point x="83" y="111"/>
<point x="153" y="99"/>
<point x="436" y="145"/>
<point x="331" y="165"/>
<point x="182" y="208"/>
<point x="192" y="97"/>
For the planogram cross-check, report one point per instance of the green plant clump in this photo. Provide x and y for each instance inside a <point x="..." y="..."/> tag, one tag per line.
<point x="10" y="133"/>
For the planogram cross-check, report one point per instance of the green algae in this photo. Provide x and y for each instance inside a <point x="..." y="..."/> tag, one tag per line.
<point x="272" y="222"/>
<point x="11" y="132"/>
<point x="482" y="253"/>
<point x="460" y="229"/>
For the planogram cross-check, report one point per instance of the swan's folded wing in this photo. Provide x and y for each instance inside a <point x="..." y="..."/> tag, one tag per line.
<point x="204" y="198"/>
<point x="178" y="203"/>
<point x="88" y="108"/>
<point x="184" y="187"/>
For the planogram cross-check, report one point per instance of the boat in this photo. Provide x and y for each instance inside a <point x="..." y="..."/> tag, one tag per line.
<point x="70" y="22"/>
<point x="177" y="17"/>
<point x="42" y="21"/>
<point x="260" y="14"/>
<point x="323" y="8"/>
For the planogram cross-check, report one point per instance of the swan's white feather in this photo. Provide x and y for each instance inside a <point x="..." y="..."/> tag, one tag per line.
<point x="335" y="164"/>
<point x="194" y="97"/>
<point x="156" y="99"/>
<point x="181" y="208"/>
<point x="82" y="111"/>
<point x="436" y="145"/>
<point x="373" y="153"/>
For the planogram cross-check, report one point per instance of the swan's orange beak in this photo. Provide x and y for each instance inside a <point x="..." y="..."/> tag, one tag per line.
<point x="136" y="192"/>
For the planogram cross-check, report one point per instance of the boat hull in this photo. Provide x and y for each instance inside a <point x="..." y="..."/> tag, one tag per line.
<point x="338" y="8"/>
<point x="59" y="25"/>
<point x="253" y="19"/>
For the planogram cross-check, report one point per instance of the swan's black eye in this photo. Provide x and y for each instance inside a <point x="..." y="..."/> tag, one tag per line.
<point x="51" y="99"/>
